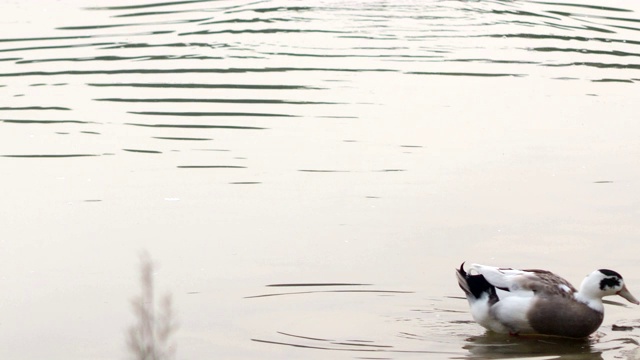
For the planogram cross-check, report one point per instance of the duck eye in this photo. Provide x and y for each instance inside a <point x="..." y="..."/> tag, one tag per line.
<point x="610" y="282"/>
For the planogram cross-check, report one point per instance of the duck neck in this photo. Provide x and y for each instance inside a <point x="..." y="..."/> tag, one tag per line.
<point x="593" y="302"/>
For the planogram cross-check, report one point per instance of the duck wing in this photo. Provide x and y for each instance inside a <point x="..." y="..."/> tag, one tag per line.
<point x="540" y="282"/>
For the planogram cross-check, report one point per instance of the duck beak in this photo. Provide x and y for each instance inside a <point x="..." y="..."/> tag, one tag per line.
<point x="627" y="295"/>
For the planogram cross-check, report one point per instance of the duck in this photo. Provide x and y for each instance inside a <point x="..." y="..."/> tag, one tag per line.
<point x="538" y="302"/>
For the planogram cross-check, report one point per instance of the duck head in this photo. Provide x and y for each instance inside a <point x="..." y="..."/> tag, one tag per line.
<point x="605" y="282"/>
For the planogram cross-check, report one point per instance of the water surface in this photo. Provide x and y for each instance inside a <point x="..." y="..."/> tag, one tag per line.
<point x="351" y="153"/>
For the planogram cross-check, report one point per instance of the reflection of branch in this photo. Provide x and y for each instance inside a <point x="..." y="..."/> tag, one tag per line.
<point x="149" y="338"/>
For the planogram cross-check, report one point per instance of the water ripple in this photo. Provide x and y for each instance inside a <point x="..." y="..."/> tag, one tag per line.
<point x="42" y="122"/>
<point x="269" y="62"/>
<point x="196" y="126"/>
<point x="150" y="5"/>
<point x="8" y="108"/>
<point x="41" y="156"/>
<point x="221" y="101"/>
<point x="210" y="167"/>
<point x="208" y="86"/>
<point x="214" y="114"/>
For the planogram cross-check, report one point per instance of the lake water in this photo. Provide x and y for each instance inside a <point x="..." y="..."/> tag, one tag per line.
<point x="353" y="153"/>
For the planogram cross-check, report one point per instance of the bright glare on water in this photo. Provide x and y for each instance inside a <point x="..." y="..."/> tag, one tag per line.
<point x="306" y="175"/>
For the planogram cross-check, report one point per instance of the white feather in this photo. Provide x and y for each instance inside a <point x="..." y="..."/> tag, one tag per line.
<point x="501" y="278"/>
<point x="511" y="313"/>
<point x="482" y="314"/>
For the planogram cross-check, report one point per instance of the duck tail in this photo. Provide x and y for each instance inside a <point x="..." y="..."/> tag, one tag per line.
<point x="474" y="286"/>
<point x="462" y="280"/>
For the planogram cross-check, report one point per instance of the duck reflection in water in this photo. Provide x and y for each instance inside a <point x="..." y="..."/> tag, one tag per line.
<point x="500" y="346"/>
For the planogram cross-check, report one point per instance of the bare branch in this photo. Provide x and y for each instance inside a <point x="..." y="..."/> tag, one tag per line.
<point x="150" y="337"/>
